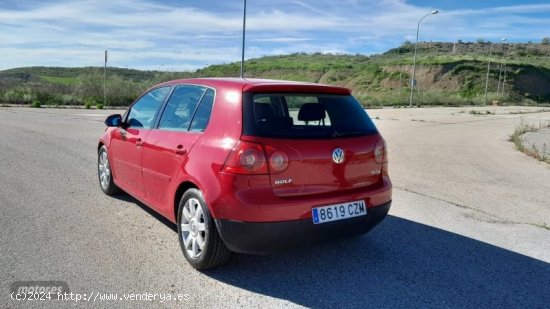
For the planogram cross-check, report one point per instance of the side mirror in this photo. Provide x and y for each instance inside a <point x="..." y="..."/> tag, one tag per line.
<point x="113" y="120"/>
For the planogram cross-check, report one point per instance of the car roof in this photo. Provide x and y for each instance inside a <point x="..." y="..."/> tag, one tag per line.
<point x="261" y="85"/>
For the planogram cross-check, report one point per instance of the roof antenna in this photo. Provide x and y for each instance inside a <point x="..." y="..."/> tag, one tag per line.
<point x="244" y="32"/>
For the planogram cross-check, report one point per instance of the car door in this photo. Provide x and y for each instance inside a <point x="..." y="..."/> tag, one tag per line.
<point x="127" y="141"/>
<point x="185" y="116"/>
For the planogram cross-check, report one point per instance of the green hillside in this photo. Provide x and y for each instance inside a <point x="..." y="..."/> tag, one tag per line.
<point x="60" y="80"/>
<point x="447" y="74"/>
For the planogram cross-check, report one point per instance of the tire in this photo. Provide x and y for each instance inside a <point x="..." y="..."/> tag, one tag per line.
<point x="199" y="239"/>
<point x="104" y="173"/>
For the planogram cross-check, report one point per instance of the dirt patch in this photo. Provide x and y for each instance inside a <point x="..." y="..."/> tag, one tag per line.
<point x="533" y="82"/>
<point x="429" y="77"/>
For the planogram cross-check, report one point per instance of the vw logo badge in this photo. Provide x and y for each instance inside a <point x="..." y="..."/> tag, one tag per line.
<point x="338" y="155"/>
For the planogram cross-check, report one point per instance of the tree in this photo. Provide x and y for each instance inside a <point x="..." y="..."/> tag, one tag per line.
<point x="545" y="41"/>
<point x="90" y="85"/>
<point x="121" y="92"/>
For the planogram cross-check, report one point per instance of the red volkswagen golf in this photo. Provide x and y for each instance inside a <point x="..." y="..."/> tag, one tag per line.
<point x="251" y="166"/>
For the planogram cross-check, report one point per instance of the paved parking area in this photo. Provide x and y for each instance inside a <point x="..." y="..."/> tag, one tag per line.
<point x="469" y="224"/>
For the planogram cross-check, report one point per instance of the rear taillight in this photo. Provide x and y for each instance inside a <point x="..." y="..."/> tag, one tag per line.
<point x="380" y="152"/>
<point x="246" y="158"/>
<point x="278" y="159"/>
<point x="250" y="158"/>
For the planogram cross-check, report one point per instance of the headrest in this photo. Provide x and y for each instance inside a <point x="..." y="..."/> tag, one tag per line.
<point x="263" y="111"/>
<point x="311" y="112"/>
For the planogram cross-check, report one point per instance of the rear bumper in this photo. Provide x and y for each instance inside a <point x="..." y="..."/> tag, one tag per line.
<point x="266" y="237"/>
<point x="251" y="199"/>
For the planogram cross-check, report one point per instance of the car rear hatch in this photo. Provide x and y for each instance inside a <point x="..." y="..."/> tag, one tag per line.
<point x="313" y="142"/>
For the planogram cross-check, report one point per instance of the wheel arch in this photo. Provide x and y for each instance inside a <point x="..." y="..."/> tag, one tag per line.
<point x="184" y="186"/>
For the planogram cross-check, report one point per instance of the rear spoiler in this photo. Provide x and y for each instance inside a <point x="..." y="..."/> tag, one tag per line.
<point x="291" y="87"/>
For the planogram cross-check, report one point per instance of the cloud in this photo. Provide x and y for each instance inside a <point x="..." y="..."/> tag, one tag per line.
<point x="148" y="33"/>
<point x="282" y="40"/>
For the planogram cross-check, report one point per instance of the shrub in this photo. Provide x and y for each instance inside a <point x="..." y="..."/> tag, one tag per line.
<point x="89" y="101"/>
<point x="36" y="104"/>
<point x="87" y="105"/>
<point x="99" y="106"/>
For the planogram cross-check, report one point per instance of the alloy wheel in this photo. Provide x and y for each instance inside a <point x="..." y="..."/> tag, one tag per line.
<point x="193" y="228"/>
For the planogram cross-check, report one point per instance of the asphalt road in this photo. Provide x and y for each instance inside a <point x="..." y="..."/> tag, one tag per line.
<point x="469" y="224"/>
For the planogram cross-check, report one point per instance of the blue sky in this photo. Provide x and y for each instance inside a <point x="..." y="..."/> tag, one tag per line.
<point x="186" y="35"/>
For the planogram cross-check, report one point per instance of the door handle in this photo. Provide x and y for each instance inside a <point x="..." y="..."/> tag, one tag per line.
<point x="139" y="142"/>
<point x="180" y="151"/>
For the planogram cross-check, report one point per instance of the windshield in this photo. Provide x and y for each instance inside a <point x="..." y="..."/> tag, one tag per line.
<point x="305" y="116"/>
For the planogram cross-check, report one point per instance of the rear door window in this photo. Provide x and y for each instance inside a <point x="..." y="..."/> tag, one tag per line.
<point x="188" y="108"/>
<point x="305" y="116"/>
<point x="202" y="116"/>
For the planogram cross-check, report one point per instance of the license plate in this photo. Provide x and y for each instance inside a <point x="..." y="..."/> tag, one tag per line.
<point x="338" y="212"/>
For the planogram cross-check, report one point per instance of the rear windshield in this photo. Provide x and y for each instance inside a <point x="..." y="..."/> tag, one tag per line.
<point x="305" y="116"/>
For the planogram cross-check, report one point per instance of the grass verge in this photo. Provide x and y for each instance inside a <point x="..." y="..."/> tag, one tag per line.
<point x="542" y="154"/>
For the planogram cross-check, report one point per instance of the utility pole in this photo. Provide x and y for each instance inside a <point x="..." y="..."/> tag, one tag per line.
<point x="244" y="33"/>
<point x="488" y="69"/>
<point x="499" y="78"/>
<point x="105" y="81"/>
<point x="503" y="81"/>
<point x="399" y="89"/>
